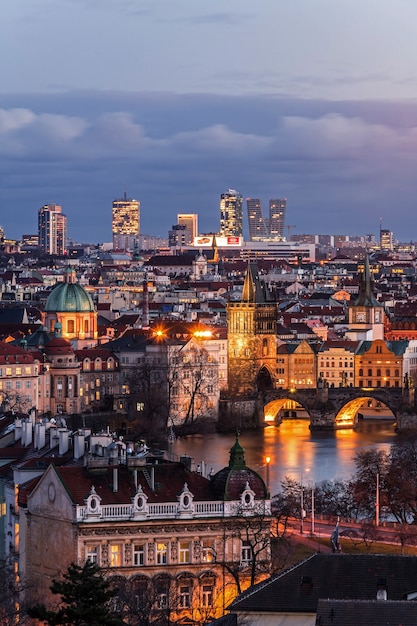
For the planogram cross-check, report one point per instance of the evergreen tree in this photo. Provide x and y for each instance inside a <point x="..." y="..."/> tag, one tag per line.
<point x="85" y="596"/>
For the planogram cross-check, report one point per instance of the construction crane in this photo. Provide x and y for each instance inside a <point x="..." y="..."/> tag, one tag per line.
<point x="289" y="231"/>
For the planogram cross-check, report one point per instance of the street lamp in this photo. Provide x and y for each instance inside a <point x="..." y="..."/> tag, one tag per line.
<point x="302" y="500"/>
<point x="267" y="460"/>
<point x="377" y="501"/>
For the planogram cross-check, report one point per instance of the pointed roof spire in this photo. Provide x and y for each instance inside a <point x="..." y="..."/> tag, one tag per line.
<point x="366" y="295"/>
<point x="252" y="289"/>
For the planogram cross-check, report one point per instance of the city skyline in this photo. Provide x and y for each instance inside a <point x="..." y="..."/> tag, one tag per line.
<point x="178" y="115"/>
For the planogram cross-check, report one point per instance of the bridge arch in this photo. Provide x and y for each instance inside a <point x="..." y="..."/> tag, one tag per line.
<point x="333" y="408"/>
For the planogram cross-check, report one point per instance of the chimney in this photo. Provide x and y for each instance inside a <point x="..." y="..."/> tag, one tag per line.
<point x="381" y="589"/>
<point x="63" y="435"/>
<point x="115" y="480"/>
<point x="40" y="430"/>
<point x="79" y="445"/>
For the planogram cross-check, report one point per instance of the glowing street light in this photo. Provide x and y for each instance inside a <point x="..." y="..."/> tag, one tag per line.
<point x="302" y="499"/>
<point x="267" y="460"/>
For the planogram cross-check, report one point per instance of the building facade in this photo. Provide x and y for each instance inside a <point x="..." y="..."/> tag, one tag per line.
<point x="190" y="221"/>
<point x="52" y="229"/>
<point x="277" y="209"/>
<point x="125" y="223"/>
<point x="258" y="230"/>
<point x="168" y="538"/>
<point x="231" y="214"/>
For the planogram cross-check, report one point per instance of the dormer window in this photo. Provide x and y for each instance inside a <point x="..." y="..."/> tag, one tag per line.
<point x="247" y="497"/>
<point x="140" y="500"/>
<point x="93" y="503"/>
<point x="186" y="499"/>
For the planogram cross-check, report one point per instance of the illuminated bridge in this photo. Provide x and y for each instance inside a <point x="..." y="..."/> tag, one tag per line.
<point x="332" y="408"/>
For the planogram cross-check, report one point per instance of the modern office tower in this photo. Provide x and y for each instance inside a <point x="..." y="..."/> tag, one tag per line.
<point x="231" y="217"/>
<point x="190" y="221"/>
<point x="386" y="239"/>
<point x="125" y="223"/>
<point x="258" y="230"/>
<point x="277" y="217"/>
<point x="52" y="229"/>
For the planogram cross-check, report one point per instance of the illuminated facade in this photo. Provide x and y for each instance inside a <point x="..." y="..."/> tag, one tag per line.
<point x="161" y="532"/>
<point x="125" y="223"/>
<point x="251" y="336"/>
<point x="72" y="307"/>
<point x="258" y="230"/>
<point x="52" y="229"/>
<point x="277" y="209"/>
<point x="190" y="221"/>
<point x="366" y="314"/>
<point x="380" y="363"/>
<point x="231" y="214"/>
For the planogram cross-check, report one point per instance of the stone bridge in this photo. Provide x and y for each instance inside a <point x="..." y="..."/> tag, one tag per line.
<point x="332" y="408"/>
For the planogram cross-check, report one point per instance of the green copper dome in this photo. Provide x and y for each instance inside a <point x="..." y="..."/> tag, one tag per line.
<point x="69" y="298"/>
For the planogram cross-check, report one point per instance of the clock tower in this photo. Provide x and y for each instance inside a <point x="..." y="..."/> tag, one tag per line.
<point x="366" y="314"/>
<point x="251" y="337"/>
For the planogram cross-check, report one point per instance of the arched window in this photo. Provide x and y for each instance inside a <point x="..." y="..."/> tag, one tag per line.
<point x="378" y="372"/>
<point x="369" y="372"/>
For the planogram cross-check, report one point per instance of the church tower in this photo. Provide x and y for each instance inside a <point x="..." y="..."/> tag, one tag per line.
<point x="251" y="337"/>
<point x="366" y="314"/>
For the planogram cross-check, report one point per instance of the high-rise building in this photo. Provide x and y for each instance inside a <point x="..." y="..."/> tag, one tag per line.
<point x="125" y="223"/>
<point x="386" y="240"/>
<point x="258" y="230"/>
<point x="231" y="217"/>
<point x="52" y="229"/>
<point x="190" y="221"/>
<point x="277" y="210"/>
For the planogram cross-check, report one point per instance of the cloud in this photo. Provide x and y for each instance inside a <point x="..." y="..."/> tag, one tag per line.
<point x="176" y="153"/>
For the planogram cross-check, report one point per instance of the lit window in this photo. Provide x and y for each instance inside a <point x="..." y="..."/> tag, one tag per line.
<point x="207" y="552"/>
<point x="184" y="552"/>
<point x="115" y="555"/>
<point x="161" y="553"/>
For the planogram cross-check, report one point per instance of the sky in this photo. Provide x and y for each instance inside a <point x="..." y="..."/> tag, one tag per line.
<point x="176" y="101"/>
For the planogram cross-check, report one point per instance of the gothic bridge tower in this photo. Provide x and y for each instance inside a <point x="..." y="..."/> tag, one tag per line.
<point x="252" y="337"/>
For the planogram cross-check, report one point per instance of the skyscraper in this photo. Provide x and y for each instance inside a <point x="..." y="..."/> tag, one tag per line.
<point x="190" y="221"/>
<point x="52" y="229"/>
<point x="277" y="210"/>
<point x="231" y="217"/>
<point x="125" y="223"/>
<point x="258" y="230"/>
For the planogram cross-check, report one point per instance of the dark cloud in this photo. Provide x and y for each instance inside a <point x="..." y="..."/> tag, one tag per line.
<point x="342" y="165"/>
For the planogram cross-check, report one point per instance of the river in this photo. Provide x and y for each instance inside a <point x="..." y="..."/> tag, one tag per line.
<point x="293" y="450"/>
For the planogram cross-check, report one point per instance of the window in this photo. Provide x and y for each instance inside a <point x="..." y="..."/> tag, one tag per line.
<point x="184" y="552"/>
<point x="185" y="596"/>
<point x="70" y="326"/>
<point x="207" y="552"/>
<point x="138" y="554"/>
<point x="161" y="553"/>
<point x="28" y="384"/>
<point x="246" y="553"/>
<point x="18" y="371"/>
<point x="92" y="554"/>
<point x="115" y="553"/>
<point x="86" y="326"/>
<point x="207" y="595"/>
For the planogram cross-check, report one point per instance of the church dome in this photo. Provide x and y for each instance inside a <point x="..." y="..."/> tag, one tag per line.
<point x="231" y="481"/>
<point x="69" y="297"/>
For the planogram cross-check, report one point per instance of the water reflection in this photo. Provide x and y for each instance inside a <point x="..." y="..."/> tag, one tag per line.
<point x="292" y="448"/>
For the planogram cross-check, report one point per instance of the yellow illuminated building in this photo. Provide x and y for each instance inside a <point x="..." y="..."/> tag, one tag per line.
<point x="125" y="223"/>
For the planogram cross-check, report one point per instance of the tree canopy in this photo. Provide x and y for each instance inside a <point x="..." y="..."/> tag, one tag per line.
<point x="85" y="597"/>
